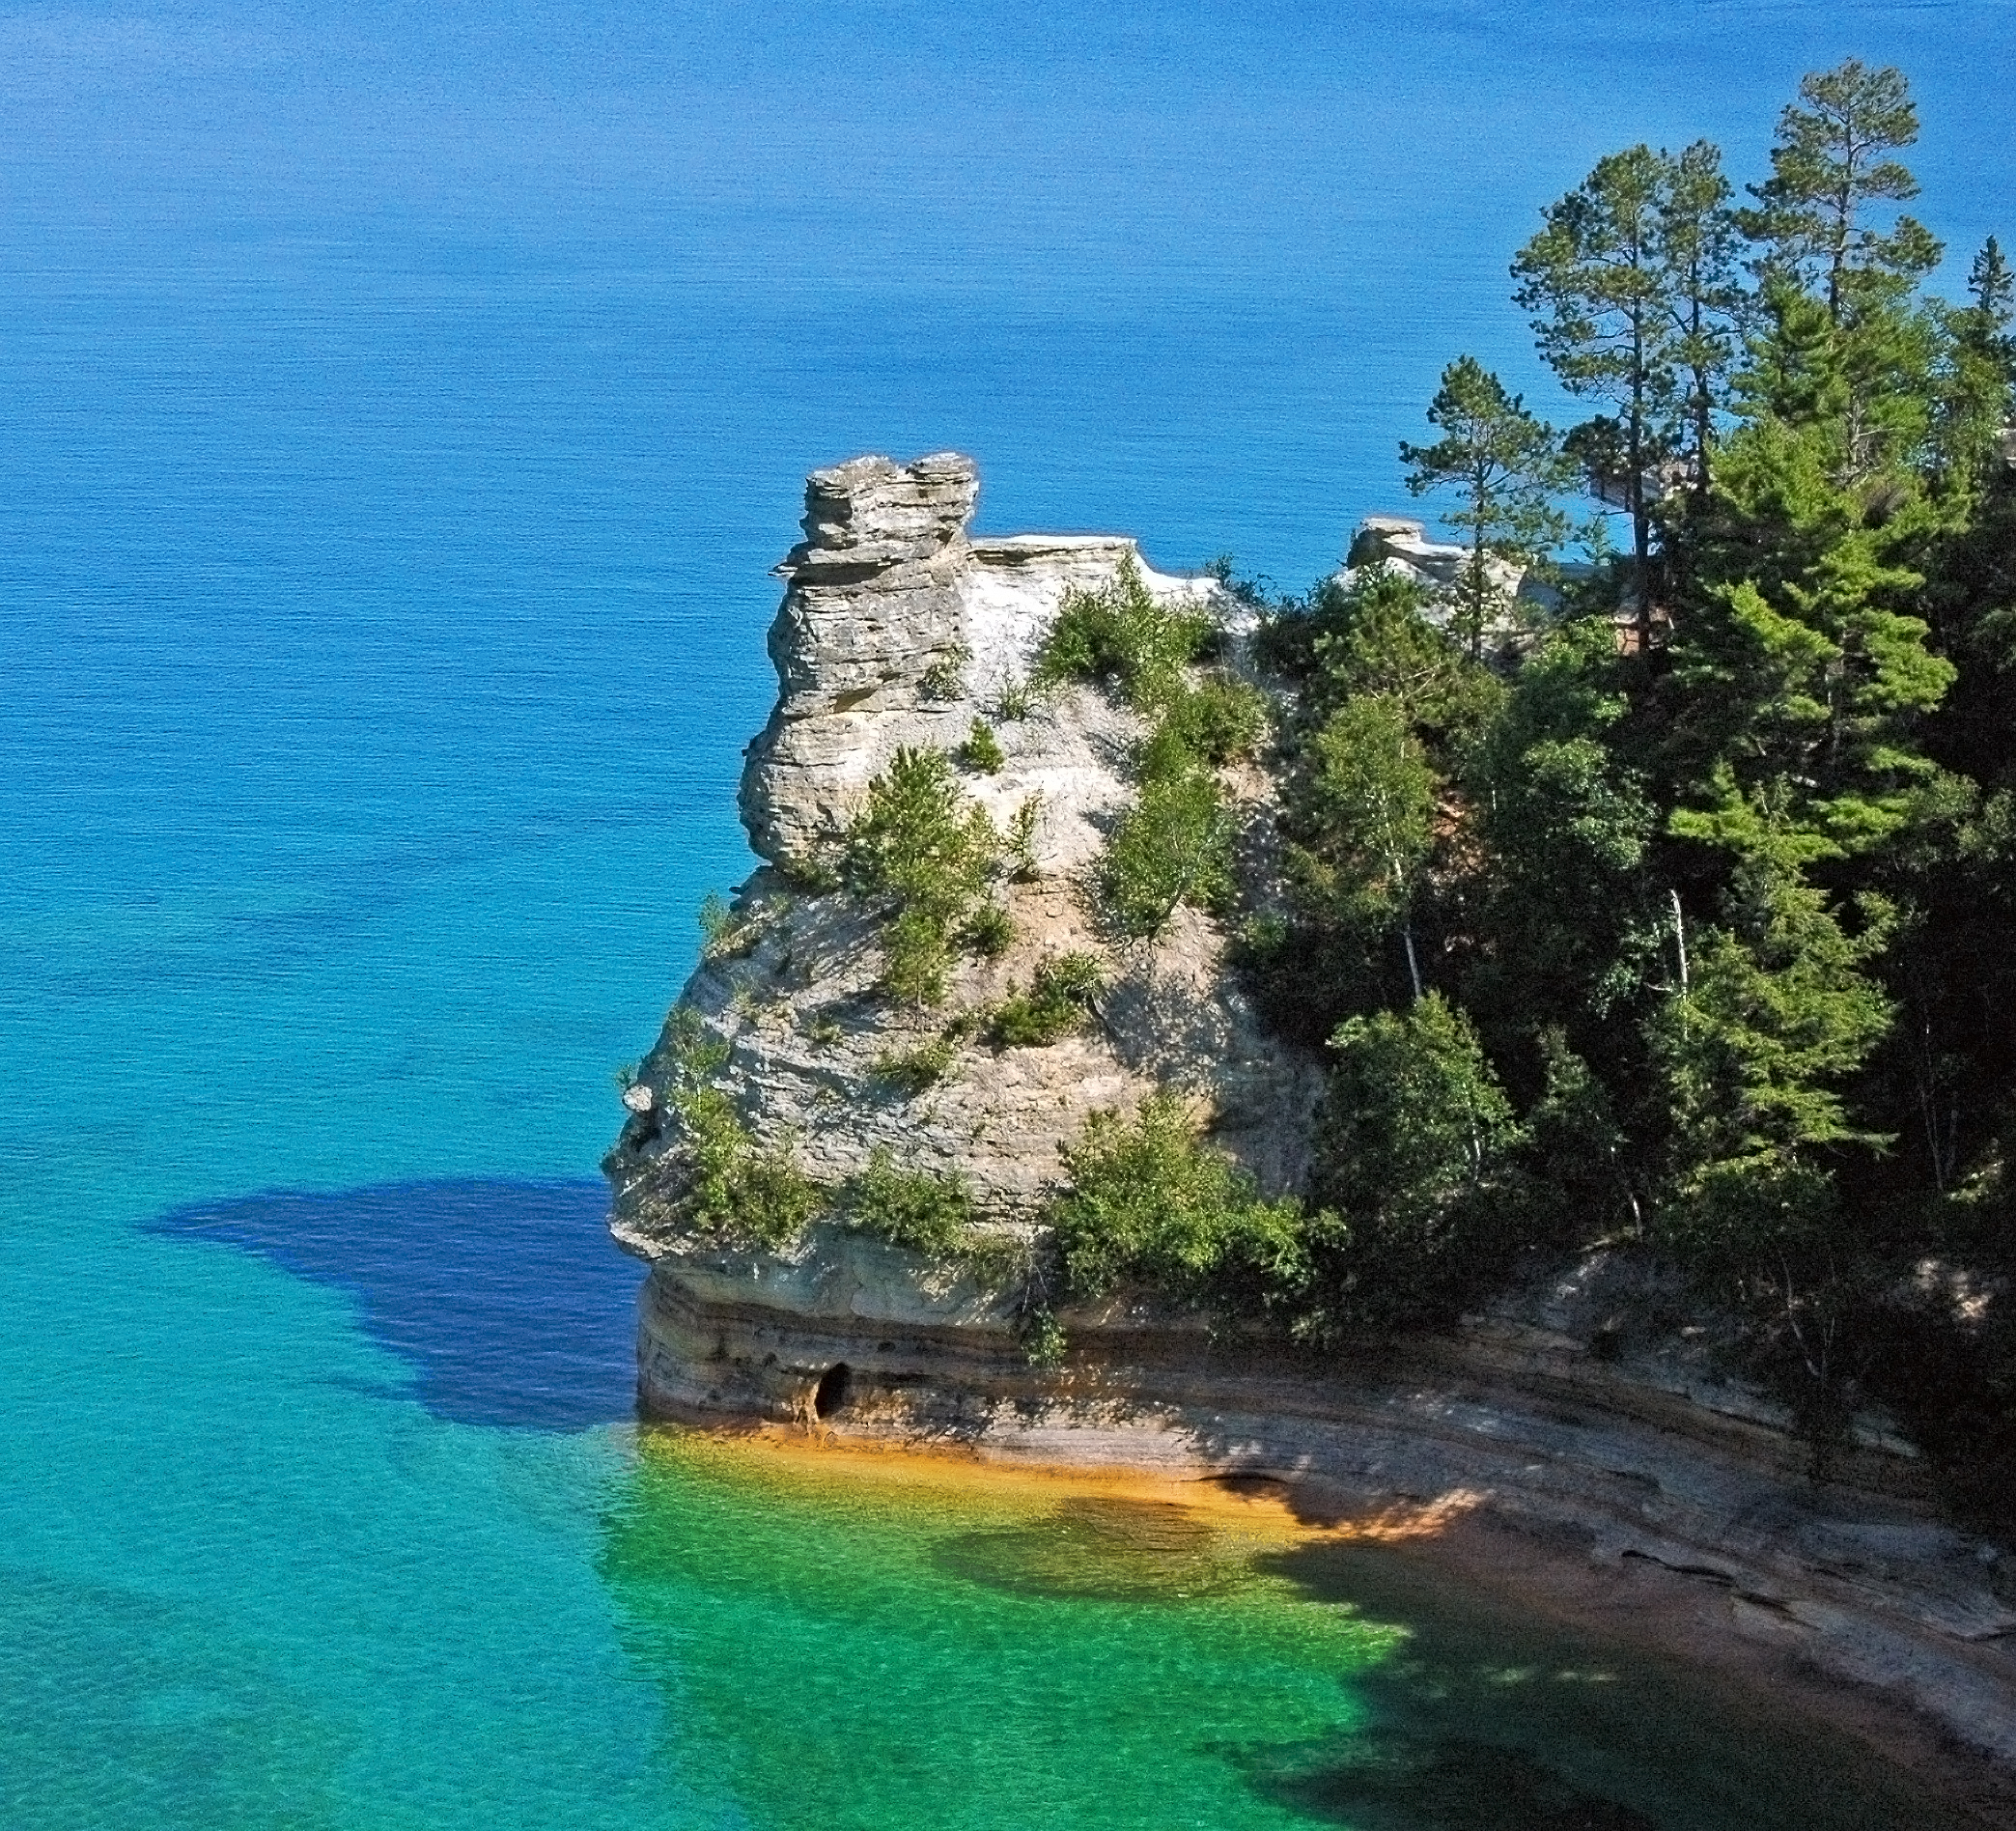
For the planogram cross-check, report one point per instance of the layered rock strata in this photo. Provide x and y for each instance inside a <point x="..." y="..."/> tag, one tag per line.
<point x="897" y="628"/>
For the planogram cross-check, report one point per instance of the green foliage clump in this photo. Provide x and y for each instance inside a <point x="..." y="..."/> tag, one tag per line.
<point x="822" y="1027"/>
<point x="725" y="935"/>
<point x="927" y="856"/>
<point x="944" y="680"/>
<point x="1020" y="846"/>
<point x="1150" y="1202"/>
<point x="733" y="1187"/>
<point x="717" y="926"/>
<point x="924" y="1210"/>
<point x="1174" y="845"/>
<point x="1057" y="1002"/>
<point x="989" y="932"/>
<point x="982" y="750"/>
<point x="1015" y="703"/>
<point x="1415" y="1150"/>
<point x="913" y="1070"/>
<point x="1779" y="1011"/>
<point x="1219" y="721"/>
<point x="1124" y="637"/>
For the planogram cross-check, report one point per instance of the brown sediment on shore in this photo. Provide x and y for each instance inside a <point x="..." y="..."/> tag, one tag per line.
<point x="1752" y="1651"/>
<point x="1257" y="1509"/>
<point x="1640" y="1493"/>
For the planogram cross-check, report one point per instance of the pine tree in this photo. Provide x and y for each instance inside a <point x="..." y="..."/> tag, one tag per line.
<point x="1702" y="293"/>
<point x="1993" y="284"/>
<point x="1507" y="465"/>
<point x="1592" y="279"/>
<point x="1977" y="396"/>
<point x="1828" y="164"/>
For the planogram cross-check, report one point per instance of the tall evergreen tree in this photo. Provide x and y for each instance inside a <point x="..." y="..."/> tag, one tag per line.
<point x="1702" y="293"/>
<point x="1591" y="278"/>
<point x="1831" y="169"/>
<point x="1829" y="162"/>
<point x="1977" y="395"/>
<point x="1993" y="284"/>
<point x="1506" y="467"/>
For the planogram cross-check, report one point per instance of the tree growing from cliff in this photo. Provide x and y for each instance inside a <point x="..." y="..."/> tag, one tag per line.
<point x="1149" y="1201"/>
<point x="928" y="856"/>
<point x="1363" y="815"/>
<point x="1506" y="467"/>
<point x="1413" y="1144"/>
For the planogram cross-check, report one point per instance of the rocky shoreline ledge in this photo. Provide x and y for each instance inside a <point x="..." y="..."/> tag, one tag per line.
<point x="1574" y="1437"/>
<point x="1580" y="1474"/>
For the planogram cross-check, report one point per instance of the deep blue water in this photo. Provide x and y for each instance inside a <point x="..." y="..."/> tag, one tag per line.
<point x="400" y="409"/>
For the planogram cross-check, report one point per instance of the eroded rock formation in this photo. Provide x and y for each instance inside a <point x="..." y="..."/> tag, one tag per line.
<point x="896" y="629"/>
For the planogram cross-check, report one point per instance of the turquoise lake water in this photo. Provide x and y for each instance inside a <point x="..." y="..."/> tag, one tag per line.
<point x="400" y="409"/>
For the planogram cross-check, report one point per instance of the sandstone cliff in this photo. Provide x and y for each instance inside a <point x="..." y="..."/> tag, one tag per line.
<point x="898" y="629"/>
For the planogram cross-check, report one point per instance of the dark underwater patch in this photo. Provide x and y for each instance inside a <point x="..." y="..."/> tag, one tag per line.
<point x="1397" y="1782"/>
<point x="1103" y="1550"/>
<point x="507" y="1298"/>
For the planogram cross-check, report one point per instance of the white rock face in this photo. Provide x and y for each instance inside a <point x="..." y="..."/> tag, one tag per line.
<point x="896" y="629"/>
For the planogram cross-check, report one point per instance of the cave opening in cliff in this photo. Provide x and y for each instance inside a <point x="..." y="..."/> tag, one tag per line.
<point x="832" y="1392"/>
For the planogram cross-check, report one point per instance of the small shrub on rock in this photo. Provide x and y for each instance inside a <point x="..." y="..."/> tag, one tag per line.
<point x="1172" y="846"/>
<point x="989" y="932"/>
<point x="1219" y="721"/>
<point x="1021" y="840"/>
<point x="1055" y="1004"/>
<point x="927" y="855"/>
<point x="913" y="1070"/>
<point x="735" y="1188"/>
<point x="1125" y="637"/>
<point x="944" y="680"/>
<point x="982" y="750"/>
<point x="924" y="1210"/>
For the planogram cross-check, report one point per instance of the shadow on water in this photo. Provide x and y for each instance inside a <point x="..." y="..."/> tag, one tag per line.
<point x="1396" y="1782"/>
<point x="507" y="1298"/>
<point x="1488" y="1719"/>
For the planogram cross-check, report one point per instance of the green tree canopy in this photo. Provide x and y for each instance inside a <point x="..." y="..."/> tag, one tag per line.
<point x="1831" y="162"/>
<point x="1505" y="467"/>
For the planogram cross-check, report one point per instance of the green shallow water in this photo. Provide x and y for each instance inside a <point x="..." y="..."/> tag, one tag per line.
<point x="260" y="1568"/>
<point x="861" y="1652"/>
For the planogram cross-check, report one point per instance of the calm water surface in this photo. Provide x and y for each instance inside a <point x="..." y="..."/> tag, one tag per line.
<point x="399" y="412"/>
